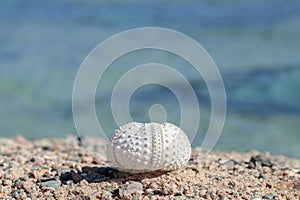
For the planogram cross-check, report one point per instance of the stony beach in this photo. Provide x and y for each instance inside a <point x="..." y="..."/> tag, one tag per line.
<point x="64" y="169"/>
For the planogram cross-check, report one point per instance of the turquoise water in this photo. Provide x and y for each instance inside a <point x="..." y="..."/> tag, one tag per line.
<point x="255" y="45"/>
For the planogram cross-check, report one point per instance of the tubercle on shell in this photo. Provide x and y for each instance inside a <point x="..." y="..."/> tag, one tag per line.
<point x="143" y="147"/>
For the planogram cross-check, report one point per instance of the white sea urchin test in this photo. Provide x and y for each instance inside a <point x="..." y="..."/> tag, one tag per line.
<point x="144" y="147"/>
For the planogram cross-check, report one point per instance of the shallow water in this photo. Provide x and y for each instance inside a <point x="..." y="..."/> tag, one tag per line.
<point x="255" y="45"/>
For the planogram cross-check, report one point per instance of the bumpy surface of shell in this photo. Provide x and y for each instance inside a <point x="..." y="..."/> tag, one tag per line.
<point x="144" y="147"/>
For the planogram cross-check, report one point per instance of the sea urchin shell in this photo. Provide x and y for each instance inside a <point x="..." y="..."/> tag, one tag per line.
<point x="144" y="147"/>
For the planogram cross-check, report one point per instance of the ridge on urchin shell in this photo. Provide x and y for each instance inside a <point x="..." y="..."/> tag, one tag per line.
<point x="143" y="147"/>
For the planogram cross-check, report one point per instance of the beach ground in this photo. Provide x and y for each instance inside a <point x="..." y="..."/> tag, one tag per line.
<point x="65" y="169"/>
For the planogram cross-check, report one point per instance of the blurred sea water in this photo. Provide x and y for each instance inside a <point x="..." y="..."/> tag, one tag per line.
<point x="255" y="44"/>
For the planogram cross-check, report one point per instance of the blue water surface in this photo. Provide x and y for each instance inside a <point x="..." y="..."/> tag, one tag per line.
<point x="255" y="44"/>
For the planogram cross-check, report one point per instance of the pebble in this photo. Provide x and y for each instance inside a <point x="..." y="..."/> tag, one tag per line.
<point x="202" y="193"/>
<point x="132" y="187"/>
<point x="51" y="184"/>
<point x="149" y="192"/>
<point x="169" y="189"/>
<point x="88" y="169"/>
<point x="255" y="173"/>
<point x="18" y="183"/>
<point x="70" y="182"/>
<point x="268" y="196"/>
<point x="6" y="182"/>
<point x="260" y="159"/>
<point x="106" y="195"/>
<point x="153" y="186"/>
<point x="17" y="194"/>
<point x="78" y="167"/>
<point x="66" y="176"/>
<point x="84" y="182"/>
<point x="296" y="170"/>
<point x="76" y="177"/>
<point x="229" y="165"/>
<point x="109" y="187"/>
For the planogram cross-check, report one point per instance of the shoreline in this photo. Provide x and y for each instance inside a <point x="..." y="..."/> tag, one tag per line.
<point x="63" y="169"/>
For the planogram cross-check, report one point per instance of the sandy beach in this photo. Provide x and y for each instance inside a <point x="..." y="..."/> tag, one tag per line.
<point x="64" y="169"/>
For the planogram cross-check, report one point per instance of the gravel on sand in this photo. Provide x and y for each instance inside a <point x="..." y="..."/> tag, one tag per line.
<point x="64" y="169"/>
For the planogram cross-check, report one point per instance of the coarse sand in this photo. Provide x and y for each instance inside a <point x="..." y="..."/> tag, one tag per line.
<point x="67" y="169"/>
